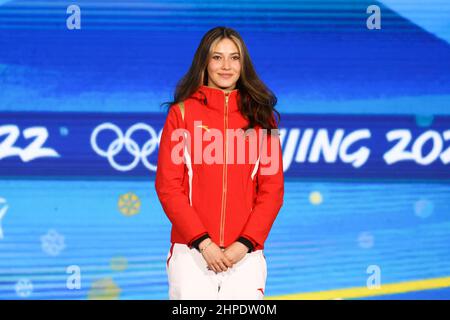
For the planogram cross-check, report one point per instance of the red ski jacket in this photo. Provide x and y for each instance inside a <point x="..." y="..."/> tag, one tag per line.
<point x="224" y="198"/>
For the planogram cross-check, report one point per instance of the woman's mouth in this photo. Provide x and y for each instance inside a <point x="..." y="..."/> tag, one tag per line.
<point x="225" y="76"/>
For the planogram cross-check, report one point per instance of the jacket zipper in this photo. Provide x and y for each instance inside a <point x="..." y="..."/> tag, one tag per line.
<point x="224" y="175"/>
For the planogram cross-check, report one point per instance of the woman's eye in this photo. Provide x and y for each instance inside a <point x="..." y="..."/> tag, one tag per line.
<point x="236" y="58"/>
<point x="216" y="57"/>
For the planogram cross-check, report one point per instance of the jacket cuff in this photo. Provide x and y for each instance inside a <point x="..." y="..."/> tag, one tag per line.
<point x="246" y="242"/>
<point x="195" y="243"/>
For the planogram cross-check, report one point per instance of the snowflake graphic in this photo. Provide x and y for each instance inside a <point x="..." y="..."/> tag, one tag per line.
<point x="129" y="204"/>
<point x="52" y="243"/>
<point x="24" y="288"/>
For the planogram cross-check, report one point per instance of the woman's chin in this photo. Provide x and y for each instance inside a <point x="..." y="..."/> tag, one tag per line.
<point x="226" y="85"/>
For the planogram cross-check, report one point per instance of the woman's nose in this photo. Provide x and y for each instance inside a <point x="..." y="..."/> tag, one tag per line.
<point x="226" y="64"/>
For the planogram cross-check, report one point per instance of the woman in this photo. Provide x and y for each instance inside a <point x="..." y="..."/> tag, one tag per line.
<point x="221" y="208"/>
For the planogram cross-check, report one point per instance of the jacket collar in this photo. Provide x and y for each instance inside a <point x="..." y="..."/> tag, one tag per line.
<point x="214" y="98"/>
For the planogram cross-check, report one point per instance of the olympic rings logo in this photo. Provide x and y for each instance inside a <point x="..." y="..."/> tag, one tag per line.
<point x="116" y="146"/>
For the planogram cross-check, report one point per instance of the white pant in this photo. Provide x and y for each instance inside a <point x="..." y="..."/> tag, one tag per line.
<point x="189" y="278"/>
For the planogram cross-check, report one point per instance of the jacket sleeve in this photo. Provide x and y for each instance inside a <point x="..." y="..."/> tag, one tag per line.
<point x="169" y="183"/>
<point x="270" y="193"/>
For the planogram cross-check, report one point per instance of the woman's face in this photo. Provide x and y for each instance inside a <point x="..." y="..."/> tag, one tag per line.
<point x="224" y="66"/>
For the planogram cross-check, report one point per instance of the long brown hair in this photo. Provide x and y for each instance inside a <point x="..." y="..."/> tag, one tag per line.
<point x="257" y="103"/>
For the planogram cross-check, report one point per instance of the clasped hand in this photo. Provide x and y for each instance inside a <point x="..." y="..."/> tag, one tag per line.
<point x="219" y="260"/>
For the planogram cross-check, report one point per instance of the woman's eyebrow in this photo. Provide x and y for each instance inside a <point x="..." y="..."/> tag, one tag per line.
<point x="222" y="53"/>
